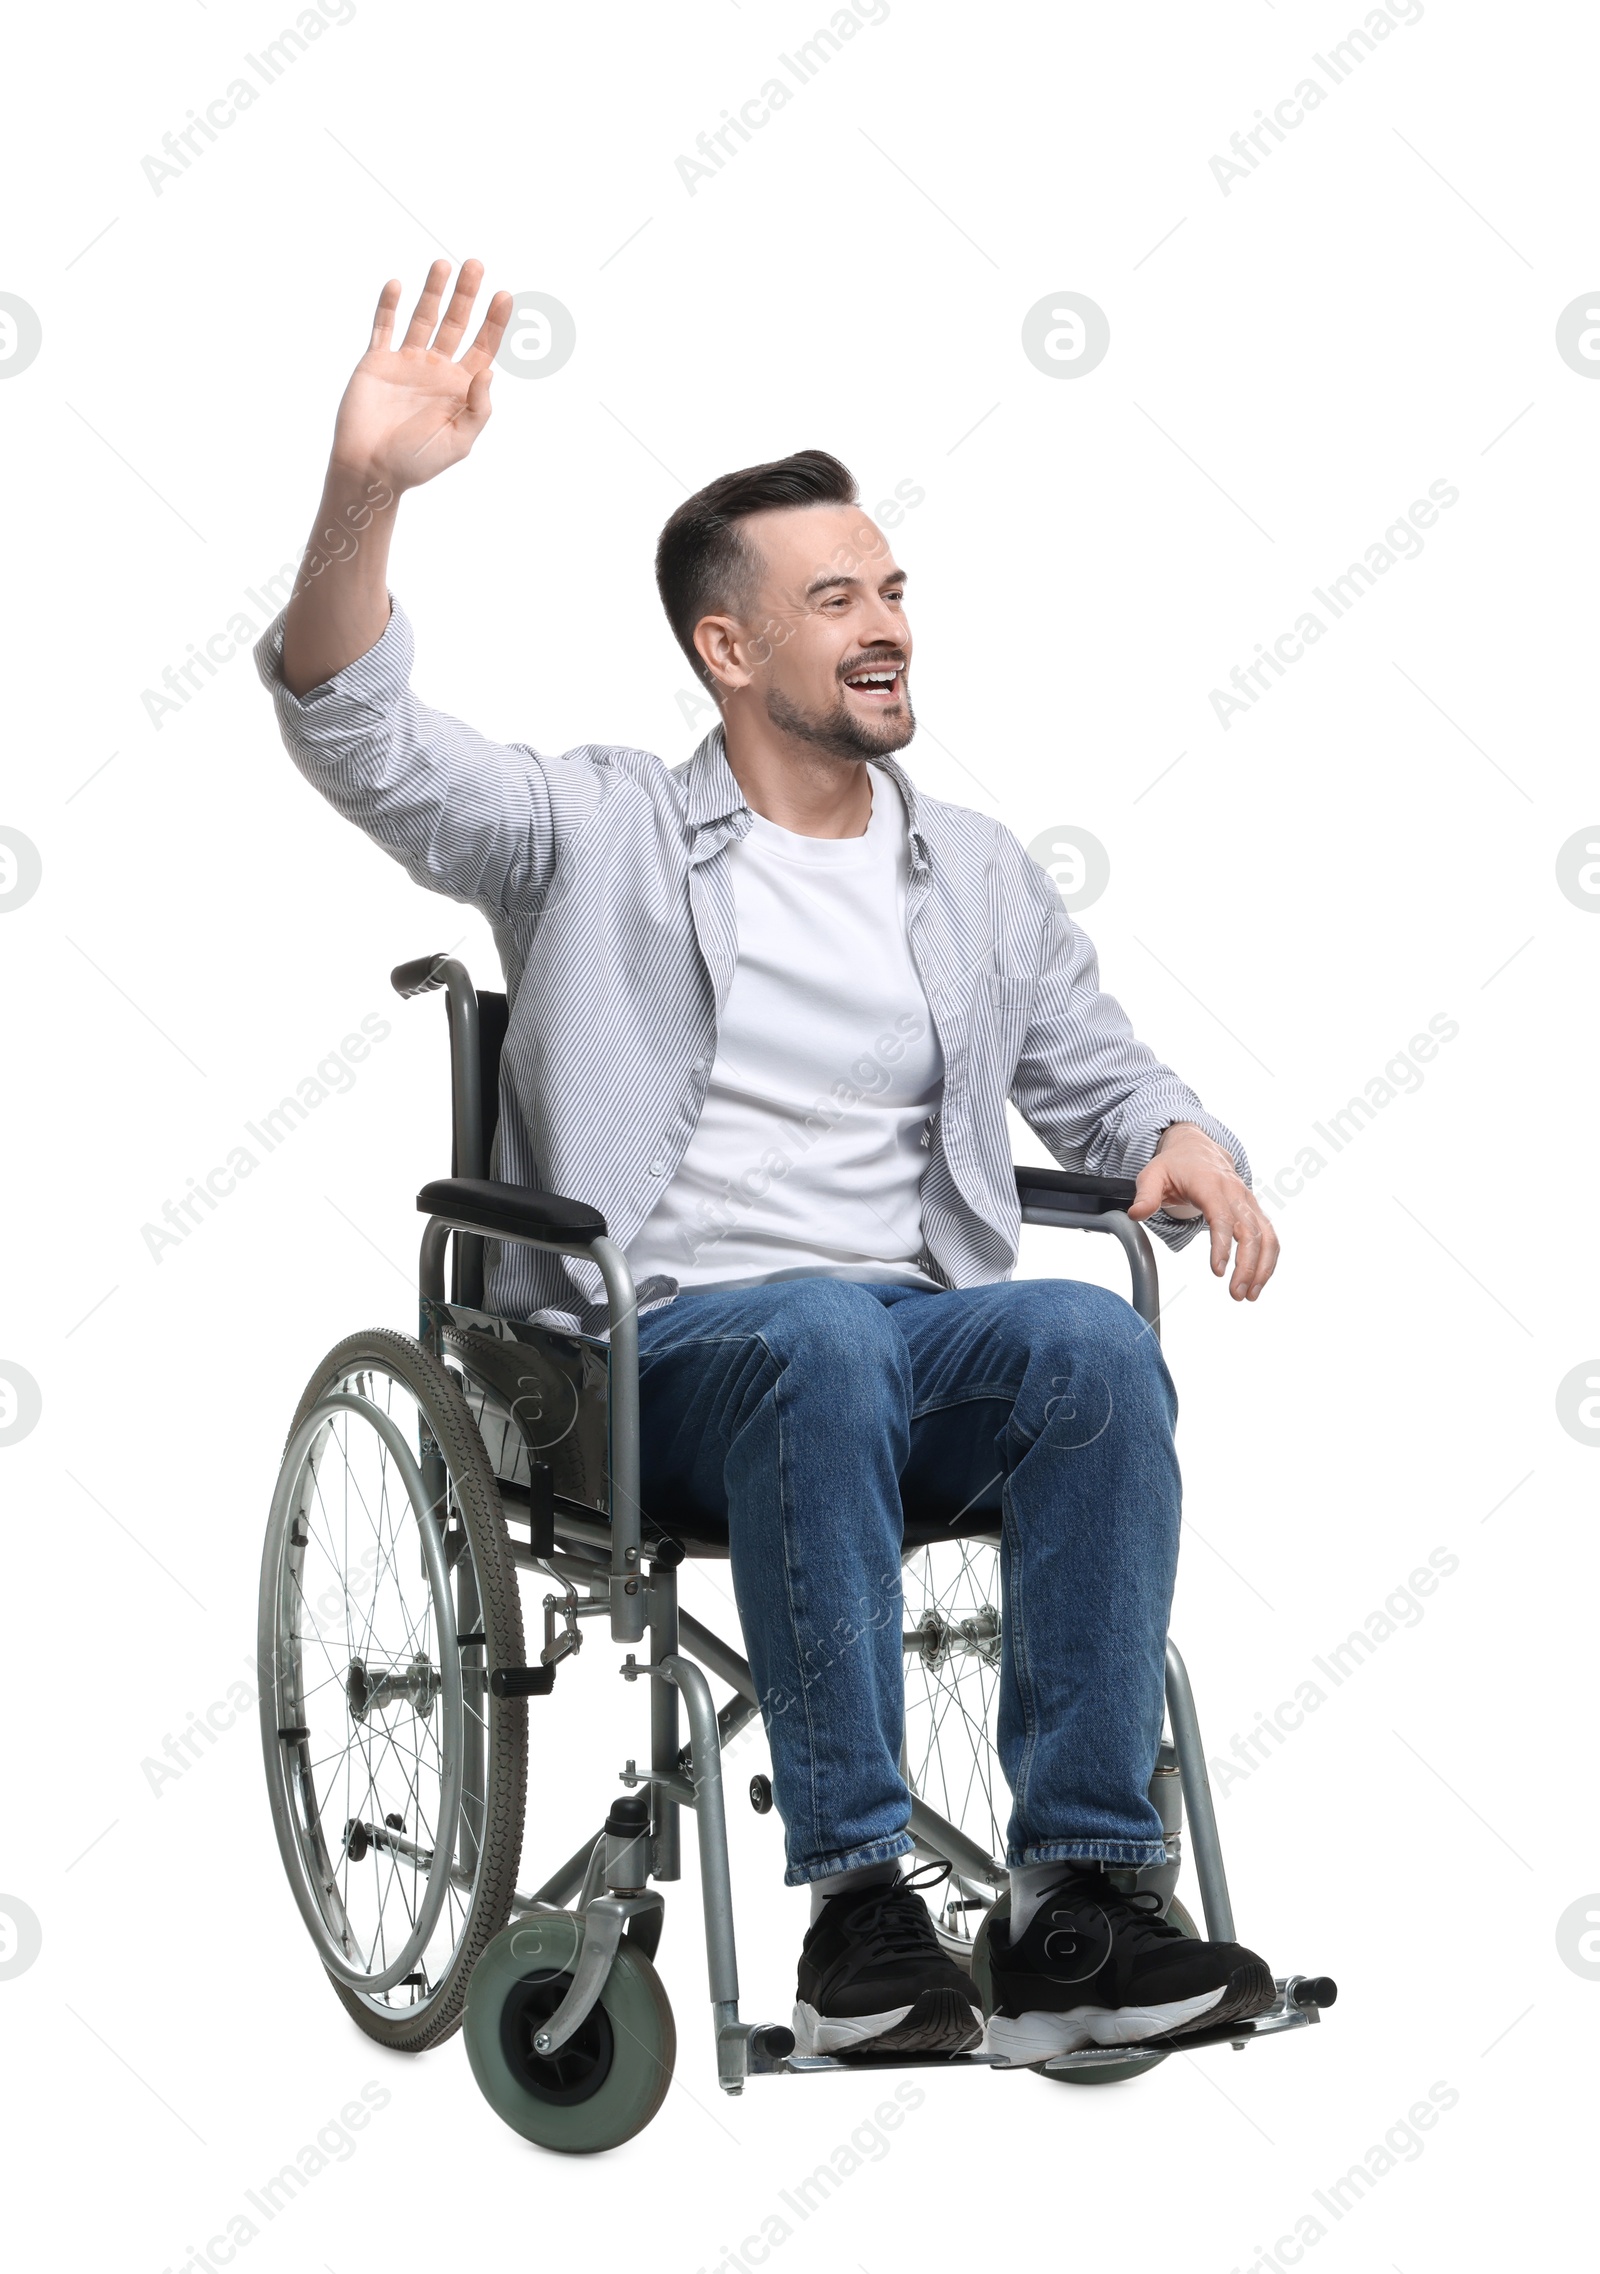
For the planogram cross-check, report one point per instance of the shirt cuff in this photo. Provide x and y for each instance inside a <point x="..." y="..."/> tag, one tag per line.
<point x="1177" y="1231"/>
<point x="371" y="683"/>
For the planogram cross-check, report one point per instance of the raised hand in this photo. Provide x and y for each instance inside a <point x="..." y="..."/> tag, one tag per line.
<point x="410" y="411"/>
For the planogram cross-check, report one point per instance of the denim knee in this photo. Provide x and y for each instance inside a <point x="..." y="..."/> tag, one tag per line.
<point x="1085" y="1342"/>
<point x="833" y="1335"/>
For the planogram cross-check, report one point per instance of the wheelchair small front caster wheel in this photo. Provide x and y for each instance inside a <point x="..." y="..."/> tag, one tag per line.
<point x="607" y="2081"/>
<point x="761" y="1794"/>
<point x="1103" y="2072"/>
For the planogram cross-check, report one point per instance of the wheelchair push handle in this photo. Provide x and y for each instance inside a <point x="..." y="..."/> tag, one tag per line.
<point x="424" y="973"/>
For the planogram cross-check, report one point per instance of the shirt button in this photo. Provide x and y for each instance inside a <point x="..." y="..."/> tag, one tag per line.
<point x="658" y="1168"/>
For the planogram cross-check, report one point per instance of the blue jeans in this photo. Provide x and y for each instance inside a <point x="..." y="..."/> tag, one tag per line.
<point x="799" y="1412"/>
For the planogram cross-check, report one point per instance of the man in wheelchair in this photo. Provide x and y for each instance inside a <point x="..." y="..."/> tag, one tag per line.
<point x="766" y="1011"/>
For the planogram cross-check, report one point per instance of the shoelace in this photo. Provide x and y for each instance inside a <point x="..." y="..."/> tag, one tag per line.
<point x="1141" y="1921"/>
<point x="893" y="1921"/>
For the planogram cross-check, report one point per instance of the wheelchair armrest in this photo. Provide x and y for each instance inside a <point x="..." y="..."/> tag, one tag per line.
<point x="510" y="1211"/>
<point x="1073" y="1192"/>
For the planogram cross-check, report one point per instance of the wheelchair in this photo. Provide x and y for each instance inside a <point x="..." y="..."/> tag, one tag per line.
<point x="419" y="1480"/>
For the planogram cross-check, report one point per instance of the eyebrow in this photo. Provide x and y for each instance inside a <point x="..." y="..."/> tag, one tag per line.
<point x="830" y="583"/>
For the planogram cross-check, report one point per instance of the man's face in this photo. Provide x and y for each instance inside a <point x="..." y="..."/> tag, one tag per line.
<point x="825" y="649"/>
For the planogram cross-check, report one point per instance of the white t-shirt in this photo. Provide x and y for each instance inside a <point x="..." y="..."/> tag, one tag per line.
<point x="808" y="1155"/>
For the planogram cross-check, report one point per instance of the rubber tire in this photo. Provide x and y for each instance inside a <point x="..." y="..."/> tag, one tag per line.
<point x="1109" y="2072"/>
<point x="478" y="1496"/>
<point x="635" y="2003"/>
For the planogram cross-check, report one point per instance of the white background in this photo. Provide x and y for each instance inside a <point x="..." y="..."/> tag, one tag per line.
<point x="1372" y="309"/>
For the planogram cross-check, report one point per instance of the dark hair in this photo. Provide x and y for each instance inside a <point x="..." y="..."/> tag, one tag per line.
<point x="703" y="565"/>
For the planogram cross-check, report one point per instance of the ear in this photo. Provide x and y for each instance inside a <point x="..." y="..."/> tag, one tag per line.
<point x="728" y="652"/>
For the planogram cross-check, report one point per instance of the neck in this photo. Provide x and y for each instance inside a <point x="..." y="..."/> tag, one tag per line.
<point x="794" y="784"/>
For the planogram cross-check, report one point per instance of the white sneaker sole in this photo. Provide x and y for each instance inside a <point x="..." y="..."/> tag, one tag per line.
<point x="1029" y="2037"/>
<point x="831" y="2033"/>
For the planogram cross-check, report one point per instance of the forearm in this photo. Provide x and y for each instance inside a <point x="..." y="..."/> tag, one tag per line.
<point x="340" y="603"/>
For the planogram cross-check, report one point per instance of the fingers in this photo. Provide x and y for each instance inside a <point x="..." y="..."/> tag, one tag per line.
<point x="492" y="331"/>
<point x="383" y="321"/>
<point x="1239" y="1231"/>
<point x="457" y="316"/>
<point x="420" y="329"/>
<point x="1247" y="1235"/>
<point x="1268" y="1262"/>
<point x="1257" y="1253"/>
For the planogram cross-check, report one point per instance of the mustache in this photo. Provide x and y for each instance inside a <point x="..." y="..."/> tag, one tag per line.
<point x="880" y="659"/>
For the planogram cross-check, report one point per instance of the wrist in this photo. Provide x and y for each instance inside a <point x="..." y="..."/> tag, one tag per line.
<point x="1177" y="1132"/>
<point x="348" y="485"/>
<point x="354" y="522"/>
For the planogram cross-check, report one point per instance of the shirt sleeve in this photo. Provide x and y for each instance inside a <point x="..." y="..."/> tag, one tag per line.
<point x="1097" y="1096"/>
<point x="480" y="821"/>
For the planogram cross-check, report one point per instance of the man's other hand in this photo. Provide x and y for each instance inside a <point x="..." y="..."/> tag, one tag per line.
<point x="1189" y="1174"/>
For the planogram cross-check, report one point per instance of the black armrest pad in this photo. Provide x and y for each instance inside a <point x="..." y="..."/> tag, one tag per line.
<point x="1073" y="1190"/>
<point x="499" y="1210"/>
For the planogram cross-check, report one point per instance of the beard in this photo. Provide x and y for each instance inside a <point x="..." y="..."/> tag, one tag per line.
<point x="839" y="732"/>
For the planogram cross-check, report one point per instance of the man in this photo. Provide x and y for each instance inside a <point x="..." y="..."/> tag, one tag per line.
<point x="767" y="1009"/>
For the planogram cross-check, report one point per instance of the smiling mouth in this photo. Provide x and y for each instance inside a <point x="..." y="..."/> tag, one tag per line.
<point x="880" y="687"/>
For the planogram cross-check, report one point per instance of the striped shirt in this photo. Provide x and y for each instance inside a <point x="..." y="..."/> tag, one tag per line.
<point x="603" y="875"/>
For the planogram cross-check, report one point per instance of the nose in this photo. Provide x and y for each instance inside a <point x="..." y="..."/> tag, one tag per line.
<point x="884" y="625"/>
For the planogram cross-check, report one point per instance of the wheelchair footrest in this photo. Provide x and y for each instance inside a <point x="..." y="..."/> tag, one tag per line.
<point x="1299" y="1999"/>
<point x="801" y="2064"/>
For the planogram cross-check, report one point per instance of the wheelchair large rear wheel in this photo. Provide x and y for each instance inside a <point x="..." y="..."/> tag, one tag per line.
<point x="397" y="1781"/>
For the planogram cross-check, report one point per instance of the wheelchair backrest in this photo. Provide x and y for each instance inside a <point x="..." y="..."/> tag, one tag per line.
<point x="475" y="1083"/>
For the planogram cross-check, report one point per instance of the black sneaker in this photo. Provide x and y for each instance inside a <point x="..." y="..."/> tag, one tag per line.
<point x="1097" y="1967"/>
<point x="874" y="1978"/>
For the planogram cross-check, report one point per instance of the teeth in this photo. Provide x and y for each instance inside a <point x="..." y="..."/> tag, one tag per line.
<point x="873" y="679"/>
